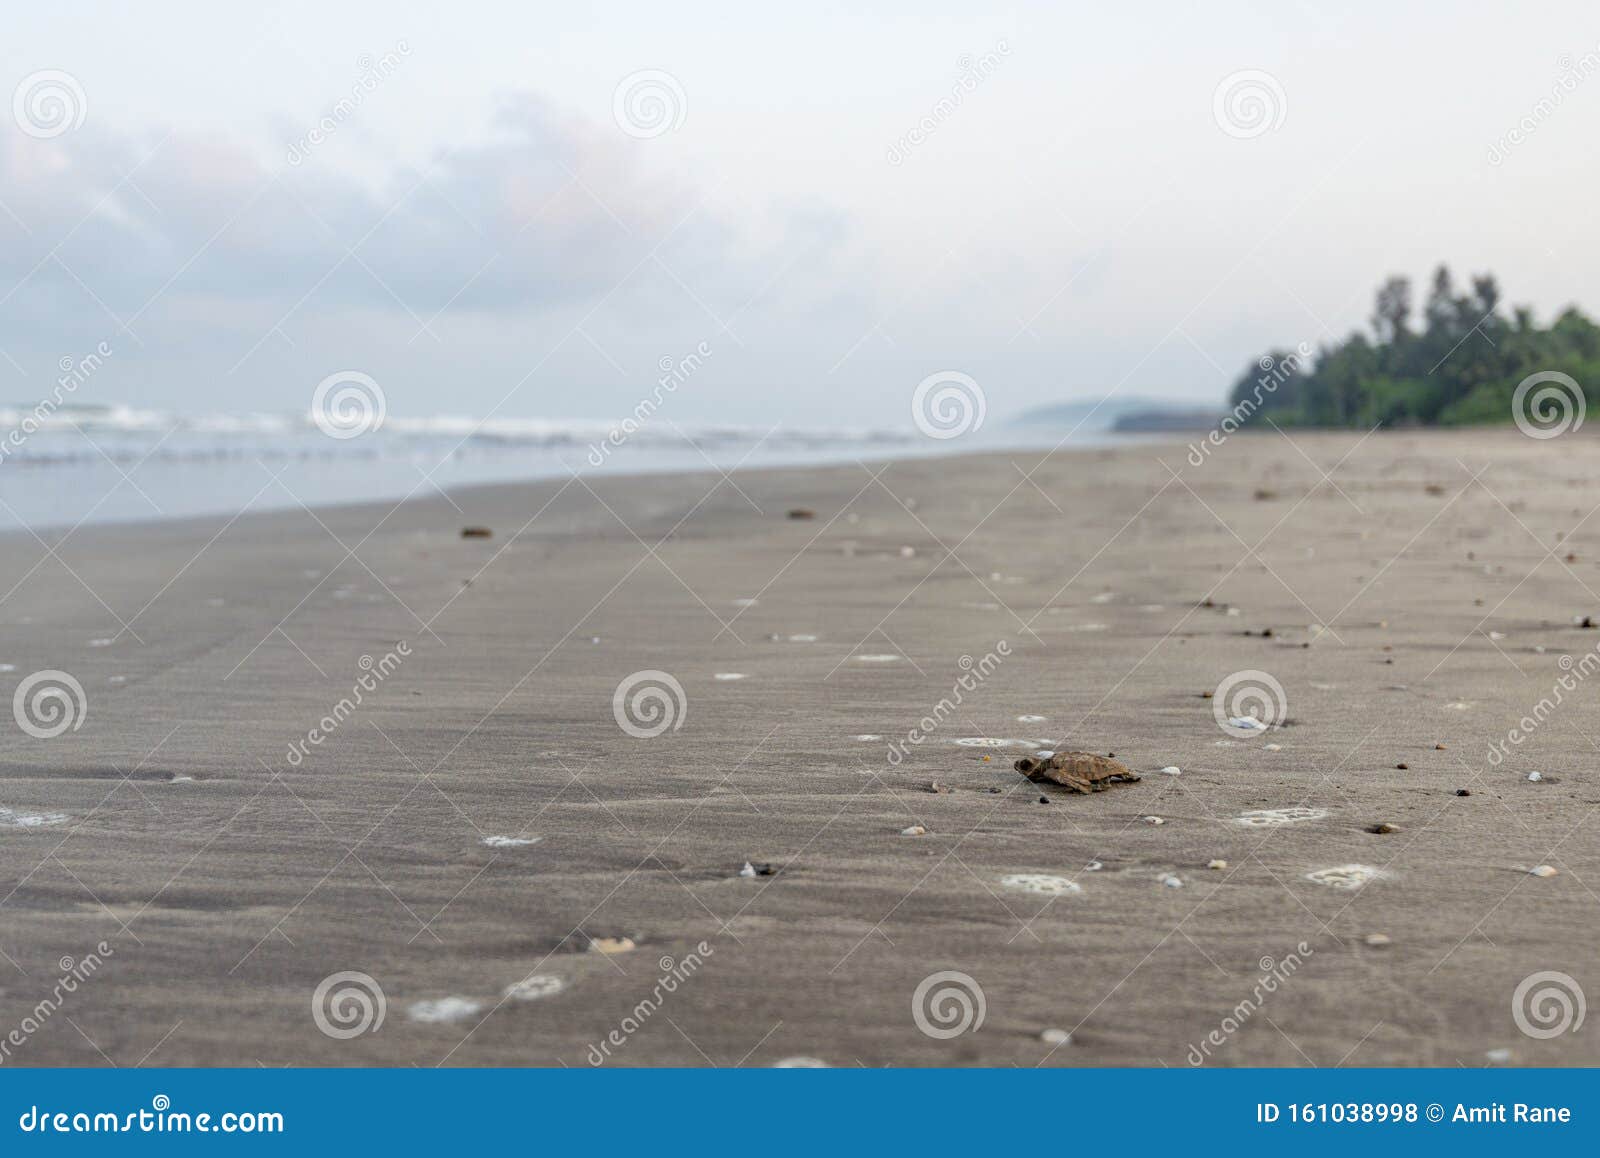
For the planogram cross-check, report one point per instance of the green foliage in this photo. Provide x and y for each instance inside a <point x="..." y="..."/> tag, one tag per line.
<point x="1461" y="366"/>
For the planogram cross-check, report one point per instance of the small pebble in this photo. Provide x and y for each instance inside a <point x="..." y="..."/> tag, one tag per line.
<point x="1055" y="1037"/>
<point x="1498" y="1055"/>
<point x="1093" y="866"/>
<point x="1542" y="870"/>
<point x="1172" y="882"/>
<point x="1217" y="864"/>
<point x="1438" y="748"/>
<point x="1376" y="940"/>
<point x="1152" y="820"/>
<point x="611" y="946"/>
<point x="939" y="789"/>
<point x="1463" y="792"/>
<point x="1172" y="770"/>
<point x="914" y="830"/>
<point x="1534" y="777"/>
<point x="1402" y="766"/>
<point x="1044" y="800"/>
<point x="1384" y="829"/>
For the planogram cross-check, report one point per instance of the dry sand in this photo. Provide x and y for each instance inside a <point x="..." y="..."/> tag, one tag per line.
<point x="227" y="882"/>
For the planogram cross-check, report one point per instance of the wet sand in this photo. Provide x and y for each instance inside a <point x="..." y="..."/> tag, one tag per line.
<point x="229" y="864"/>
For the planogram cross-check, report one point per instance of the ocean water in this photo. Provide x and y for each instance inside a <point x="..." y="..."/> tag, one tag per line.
<point x="86" y="465"/>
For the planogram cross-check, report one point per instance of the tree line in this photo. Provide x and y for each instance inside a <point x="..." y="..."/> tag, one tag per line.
<point x="1459" y="363"/>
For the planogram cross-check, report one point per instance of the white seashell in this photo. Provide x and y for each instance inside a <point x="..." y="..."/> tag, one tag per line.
<point x="1268" y="817"/>
<point x="1348" y="877"/>
<point x="534" y="987"/>
<point x="445" y="1009"/>
<point x="1050" y="886"/>
<point x="914" y="830"/>
<point x="1055" y="1037"/>
<point x="1542" y="870"/>
<point x="1152" y="820"/>
<point x="728" y="675"/>
<point x="511" y="841"/>
<point x="1172" y="770"/>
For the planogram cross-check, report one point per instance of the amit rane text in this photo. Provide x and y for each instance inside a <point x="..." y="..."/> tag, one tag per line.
<point x="1519" y="1112"/>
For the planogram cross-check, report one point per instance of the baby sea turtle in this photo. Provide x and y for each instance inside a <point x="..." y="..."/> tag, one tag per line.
<point x="1080" y="771"/>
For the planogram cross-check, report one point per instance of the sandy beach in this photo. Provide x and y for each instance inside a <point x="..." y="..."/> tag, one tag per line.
<point x="472" y="834"/>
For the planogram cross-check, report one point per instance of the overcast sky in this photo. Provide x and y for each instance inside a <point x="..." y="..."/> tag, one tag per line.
<point x="489" y="227"/>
